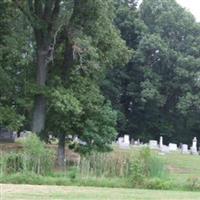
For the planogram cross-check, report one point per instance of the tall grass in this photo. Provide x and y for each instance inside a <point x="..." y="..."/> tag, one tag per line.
<point x="113" y="164"/>
<point x="124" y="164"/>
<point x="146" y="165"/>
<point x="34" y="158"/>
<point x="135" y="168"/>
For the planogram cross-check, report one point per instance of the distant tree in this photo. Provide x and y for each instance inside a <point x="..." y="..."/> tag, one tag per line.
<point x="160" y="83"/>
<point x="15" y="68"/>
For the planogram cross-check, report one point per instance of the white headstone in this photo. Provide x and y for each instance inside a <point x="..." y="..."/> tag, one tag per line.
<point x="25" y="134"/>
<point x="173" y="147"/>
<point x="161" y="142"/>
<point x="120" y="140"/>
<point x="124" y="142"/>
<point x="194" y="146"/>
<point x="153" y="144"/>
<point x="184" y="149"/>
<point x="164" y="149"/>
<point x="126" y="139"/>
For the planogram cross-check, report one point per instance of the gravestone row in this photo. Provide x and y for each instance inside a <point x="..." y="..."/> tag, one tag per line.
<point x="7" y="136"/>
<point x="124" y="143"/>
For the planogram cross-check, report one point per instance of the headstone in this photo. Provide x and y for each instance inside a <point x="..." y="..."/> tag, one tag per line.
<point x="120" y="140"/>
<point x="124" y="142"/>
<point x="153" y="144"/>
<point x="164" y="149"/>
<point x="194" y="146"/>
<point x="173" y="147"/>
<point x="184" y="149"/>
<point x="6" y="135"/>
<point x="132" y="141"/>
<point x="25" y="134"/>
<point x="161" y="142"/>
<point x="126" y="139"/>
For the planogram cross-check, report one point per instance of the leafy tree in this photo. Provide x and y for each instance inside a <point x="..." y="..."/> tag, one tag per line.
<point x="76" y="100"/>
<point x="157" y="85"/>
<point x="15" y="59"/>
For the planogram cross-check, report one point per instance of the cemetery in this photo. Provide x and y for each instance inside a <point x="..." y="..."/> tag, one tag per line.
<point x="125" y="143"/>
<point x="176" y="166"/>
<point x="99" y="99"/>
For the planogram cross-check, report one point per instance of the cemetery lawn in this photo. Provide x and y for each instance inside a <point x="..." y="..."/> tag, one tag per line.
<point x="32" y="192"/>
<point x="182" y="167"/>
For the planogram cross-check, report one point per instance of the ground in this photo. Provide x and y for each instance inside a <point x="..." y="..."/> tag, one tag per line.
<point x="30" y="192"/>
<point x="182" y="167"/>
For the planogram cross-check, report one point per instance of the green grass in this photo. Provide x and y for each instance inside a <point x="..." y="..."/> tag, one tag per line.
<point x="182" y="167"/>
<point x="31" y="192"/>
<point x="184" y="174"/>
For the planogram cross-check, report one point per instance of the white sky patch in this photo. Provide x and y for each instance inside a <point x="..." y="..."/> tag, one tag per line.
<point x="191" y="5"/>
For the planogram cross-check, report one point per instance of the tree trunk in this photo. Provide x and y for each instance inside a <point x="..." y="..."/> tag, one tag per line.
<point x="39" y="113"/>
<point x="61" y="152"/>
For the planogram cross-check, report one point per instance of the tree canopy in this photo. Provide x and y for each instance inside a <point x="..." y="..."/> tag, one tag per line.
<point x="95" y="69"/>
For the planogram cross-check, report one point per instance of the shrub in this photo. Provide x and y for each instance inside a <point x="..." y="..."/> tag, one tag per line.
<point x="37" y="158"/>
<point x="72" y="173"/>
<point x="157" y="184"/>
<point x="137" y="171"/>
<point x="193" y="183"/>
<point x="145" y="165"/>
<point x="12" y="163"/>
<point x="34" y="158"/>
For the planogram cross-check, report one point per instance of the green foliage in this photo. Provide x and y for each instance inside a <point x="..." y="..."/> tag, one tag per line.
<point x="159" y="86"/>
<point x="10" y="119"/>
<point x="158" y="184"/>
<point x="113" y="164"/>
<point x="37" y="158"/>
<point x="193" y="183"/>
<point x="73" y="173"/>
<point x="11" y="163"/>
<point x="146" y="165"/>
<point x="89" y="91"/>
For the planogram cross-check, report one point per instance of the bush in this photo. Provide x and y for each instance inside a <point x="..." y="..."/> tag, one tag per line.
<point x="145" y="165"/>
<point x="37" y="158"/>
<point x="12" y="163"/>
<point x="193" y="183"/>
<point x="157" y="184"/>
<point x="34" y="158"/>
<point x="137" y="171"/>
<point x="72" y="173"/>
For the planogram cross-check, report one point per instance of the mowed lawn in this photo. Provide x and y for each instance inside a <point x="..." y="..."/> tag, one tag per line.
<point x="30" y="192"/>
<point x="182" y="167"/>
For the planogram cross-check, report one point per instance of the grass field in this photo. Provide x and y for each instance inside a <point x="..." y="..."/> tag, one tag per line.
<point x="182" y="167"/>
<point x="30" y="192"/>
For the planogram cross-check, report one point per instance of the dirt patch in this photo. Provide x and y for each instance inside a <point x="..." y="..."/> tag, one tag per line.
<point x="178" y="170"/>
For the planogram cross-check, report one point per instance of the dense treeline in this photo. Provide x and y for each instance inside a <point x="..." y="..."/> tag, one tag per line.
<point x="96" y="68"/>
<point x="157" y="92"/>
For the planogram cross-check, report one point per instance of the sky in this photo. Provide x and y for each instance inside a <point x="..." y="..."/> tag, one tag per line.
<point x="191" y="5"/>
